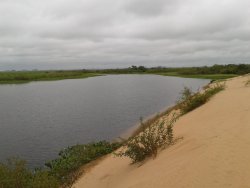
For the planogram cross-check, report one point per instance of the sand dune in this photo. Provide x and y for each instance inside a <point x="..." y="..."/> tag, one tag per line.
<point x="214" y="152"/>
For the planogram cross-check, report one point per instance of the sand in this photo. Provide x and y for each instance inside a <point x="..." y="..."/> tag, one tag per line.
<point x="214" y="152"/>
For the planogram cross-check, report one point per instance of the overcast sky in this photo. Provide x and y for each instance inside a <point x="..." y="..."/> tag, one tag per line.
<point x="71" y="34"/>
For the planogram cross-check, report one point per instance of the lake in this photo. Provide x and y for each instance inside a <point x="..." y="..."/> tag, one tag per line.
<point x="38" y="119"/>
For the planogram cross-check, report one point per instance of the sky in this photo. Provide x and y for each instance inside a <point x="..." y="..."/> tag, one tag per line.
<point x="78" y="34"/>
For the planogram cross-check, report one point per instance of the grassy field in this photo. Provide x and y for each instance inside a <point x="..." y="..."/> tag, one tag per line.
<point x="28" y="76"/>
<point x="215" y="72"/>
<point x="201" y="76"/>
<point x="15" y="77"/>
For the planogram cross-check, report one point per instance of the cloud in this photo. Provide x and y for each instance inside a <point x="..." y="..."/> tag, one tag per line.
<point x="146" y="8"/>
<point x="65" y="34"/>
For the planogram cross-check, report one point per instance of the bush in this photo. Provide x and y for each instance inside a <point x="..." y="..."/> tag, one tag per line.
<point x="43" y="179"/>
<point x="61" y="172"/>
<point x="15" y="174"/>
<point x="149" y="141"/>
<point x="186" y="94"/>
<point x="191" y="101"/>
<point x="66" y="167"/>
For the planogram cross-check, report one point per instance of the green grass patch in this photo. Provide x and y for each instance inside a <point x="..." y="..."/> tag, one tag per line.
<point x="28" y="76"/>
<point x="214" y="72"/>
<point x="15" y="174"/>
<point x="201" y="76"/>
<point x="65" y="168"/>
<point x="61" y="172"/>
<point x="190" y="101"/>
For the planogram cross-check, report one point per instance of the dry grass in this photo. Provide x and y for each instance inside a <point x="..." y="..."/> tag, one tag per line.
<point x="157" y="132"/>
<point x="248" y="83"/>
<point x="154" y="119"/>
<point x="150" y="140"/>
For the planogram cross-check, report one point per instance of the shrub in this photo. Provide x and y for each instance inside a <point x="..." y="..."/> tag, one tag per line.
<point x="186" y="94"/>
<point x="43" y="179"/>
<point x="61" y="172"/>
<point x="190" y="101"/>
<point x="66" y="167"/>
<point x="15" y="174"/>
<point x="149" y="141"/>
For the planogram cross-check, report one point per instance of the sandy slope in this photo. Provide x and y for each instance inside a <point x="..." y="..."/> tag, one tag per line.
<point x="215" y="151"/>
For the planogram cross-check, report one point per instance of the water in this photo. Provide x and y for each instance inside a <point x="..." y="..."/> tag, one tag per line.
<point x="38" y="119"/>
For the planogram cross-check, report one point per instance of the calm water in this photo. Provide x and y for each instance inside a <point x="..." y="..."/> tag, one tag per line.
<point x="40" y="118"/>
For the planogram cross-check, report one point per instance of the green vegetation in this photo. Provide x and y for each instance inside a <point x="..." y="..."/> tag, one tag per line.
<point x="27" y="76"/>
<point x="201" y="76"/>
<point x="220" y="70"/>
<point x="15" y="174"/>
<point x="61" y="172"/>
<point x="205" y="70"/>
<point x="190" y="101"/>
<point x="214" y="72"/>
<point x="149" y="141"/>
<point x="65" y="168"/>
<point x="156" y="134"/>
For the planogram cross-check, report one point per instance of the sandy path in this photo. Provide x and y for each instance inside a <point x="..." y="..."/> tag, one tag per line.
<point x="215" y="151"/>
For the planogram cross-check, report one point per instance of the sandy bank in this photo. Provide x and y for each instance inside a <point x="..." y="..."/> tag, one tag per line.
<point x="214" y="152"/>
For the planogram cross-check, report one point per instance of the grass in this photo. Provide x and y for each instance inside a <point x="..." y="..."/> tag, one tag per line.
<point x="215" y="72"/>
<point x="17" y="77"/>
<point x="60" y="172"/>
<point x="190" y="101"/>
<point x="28" y="76"/>
<point x="152" y="120"/>
<point x="15" y="174"/>
<point x="149" y="140"/>
<point x="66" y="167"/>
<point x="201" y="76"/>
<point x="156" y="134"/>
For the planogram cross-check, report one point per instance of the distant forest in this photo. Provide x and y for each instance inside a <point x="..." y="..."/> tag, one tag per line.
<point x="214" y="72"/>
<point x="215" y="69"/>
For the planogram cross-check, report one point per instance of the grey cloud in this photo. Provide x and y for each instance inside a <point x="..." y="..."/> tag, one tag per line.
<point x="146" y="7"/>
<point x="65" y="34"/>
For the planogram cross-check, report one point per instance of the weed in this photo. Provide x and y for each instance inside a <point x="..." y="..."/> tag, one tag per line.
<point x="191" y="101"/>
<point x="149" y="141"/>
<point x="61" y="172"/>
<point x="247" y="83"/>
<point x="15" y="174"/>
<point x="66" y="167"/>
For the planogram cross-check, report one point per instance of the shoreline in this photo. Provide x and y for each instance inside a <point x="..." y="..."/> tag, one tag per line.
<point x="199" y="128"/>
<point x="21" y="77"/>
<point x="204" y="135"/>
<point x="150" y="119"/>
<point x="147" y="120"/>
